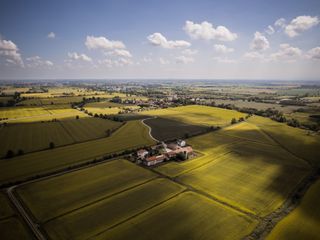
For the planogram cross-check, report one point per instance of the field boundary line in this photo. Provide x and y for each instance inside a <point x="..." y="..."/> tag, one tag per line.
<point x="137" y="214"/>
<point x="100" y="199"/>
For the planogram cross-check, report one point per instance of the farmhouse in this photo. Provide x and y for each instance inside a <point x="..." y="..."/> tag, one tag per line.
<point x="153" y="160"/>
<point x="164" y="152"/>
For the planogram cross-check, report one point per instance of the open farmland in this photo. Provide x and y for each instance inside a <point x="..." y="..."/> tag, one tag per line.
<point x="241" y="161"/>
<point x="303" y="222"/>
<point x="197" y="115"/>
<point x="29" y="137"/>
<point x="79" y="210"/>
<point x="187" y="216"/>
<point x="132" y="135"/>
<point x="36" y="114"/>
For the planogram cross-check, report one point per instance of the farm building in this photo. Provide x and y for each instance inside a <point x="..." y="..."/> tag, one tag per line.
<point x="153" y="160"/>
<point x="142" y="153"/>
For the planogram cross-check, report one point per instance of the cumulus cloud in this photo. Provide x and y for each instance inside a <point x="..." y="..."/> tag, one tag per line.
<point x="220" y="48"/>
<point x="36" y="61"/>
<point x="103" y="43"/>
<point x="206" y="31"/>
<point x="120" y="53"/>
<point x="51" y="35"/>
<point x="157" y="39"/>
<point x="286" y="52"/>
<point x="120" y="62"/>
<point x="300" y="24"/>
<point x="314" y="53"/>
<point x="82" y="57"/>
<point x="184" y="59"/>
<point x="10" y="52"/>
<point x="254" y="56"/>
<point x="259" y="42"/>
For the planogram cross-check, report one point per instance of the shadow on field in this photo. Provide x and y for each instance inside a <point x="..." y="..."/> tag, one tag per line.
<point x="167" y="129"/>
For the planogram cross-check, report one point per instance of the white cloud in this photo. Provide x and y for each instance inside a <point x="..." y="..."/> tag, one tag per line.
<point x="286" y="52"/>
<point x="189" y="51"/>
<point x="121" y="62"/>
<point x="37" y="61"/>
<point x="206" y="31"/>
<point x="314" y="53"/>
<point x="300" y="24"/>
<point x="270" y="30"/>
<point x="75" y="56"/>
<point x="10" y="52"/>
<point x="259" y="42"/>
<point x="102" y="43"/>
<point x="51" y="35"/>
<point x="281" y="22"/>
<point x="184" y="59"/>
<point x="120" y="53"/>
<point x="224" y="60"/>
<point x="220" y="48"/>
<point x="157" y="39"/>
<point x="146" y="59"/>
<point x="163" y="61"/>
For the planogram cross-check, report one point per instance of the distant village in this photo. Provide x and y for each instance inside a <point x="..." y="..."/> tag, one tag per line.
<point x="162" y="152"/>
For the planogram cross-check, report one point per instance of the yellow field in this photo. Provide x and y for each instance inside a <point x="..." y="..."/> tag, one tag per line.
<point x="303" y="222"/>
<point x="132" y="135"/>
<point x="108" y="111"/>
<point x="197" y="115"/>
<point x="243" y="166"/>
<point x="187" y="216"/>
<point x="108" y="108"/>
<point x="36" y="114"/>
<point x="294" y="140"/>
<point x="30" y="137"/>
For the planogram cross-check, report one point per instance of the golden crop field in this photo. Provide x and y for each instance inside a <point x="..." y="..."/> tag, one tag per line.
<point x="132" y="135"/>
<point x="243" y="166"/>
<point x="30" y="137"/>
<point x="187" y="216"/>
<point x="197" y="115"/>
<point x="302" y="222"/>
<point x="36" y="114"/>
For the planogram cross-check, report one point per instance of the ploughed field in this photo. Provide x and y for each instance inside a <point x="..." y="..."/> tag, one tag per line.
<point x="132" y="135"/>
<point x="30" y="137"/>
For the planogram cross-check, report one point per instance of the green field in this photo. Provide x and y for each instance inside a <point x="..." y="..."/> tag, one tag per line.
<point x="303" y="222"/>
<point x="132" y="135"/>
<point x="188" y="216"/>
<point x="197" y="115"/>
<point x="168" y="129"/>
<point x="30" y="137"/>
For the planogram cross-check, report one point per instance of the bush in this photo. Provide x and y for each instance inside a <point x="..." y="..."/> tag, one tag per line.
<point x="51" y="145"/>
<point x="10" y="154"/>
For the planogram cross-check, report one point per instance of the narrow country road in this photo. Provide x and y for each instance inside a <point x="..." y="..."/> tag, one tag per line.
<point x="149" y="128"/>
<point x="33" y="226"/>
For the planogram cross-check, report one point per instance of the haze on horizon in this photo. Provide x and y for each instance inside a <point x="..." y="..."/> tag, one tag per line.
<point x="160" y="39"/>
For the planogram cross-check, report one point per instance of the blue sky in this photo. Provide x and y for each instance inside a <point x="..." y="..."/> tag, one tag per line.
<point x="160" y="39"/>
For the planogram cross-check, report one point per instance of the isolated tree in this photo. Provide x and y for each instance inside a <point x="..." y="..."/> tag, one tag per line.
<point x="77" y="117"/>
<point x="51" y="145"/>
<point x="233" y="121"/>
<point x="10" y="154"/>
<point x="20" y="152"/>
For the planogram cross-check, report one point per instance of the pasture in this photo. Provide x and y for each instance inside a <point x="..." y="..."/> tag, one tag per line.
<point x="197" y="115"/>
<point x="302" y="222"/>
<point x="130" y="136"/>
<point x="30" y="137"/>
